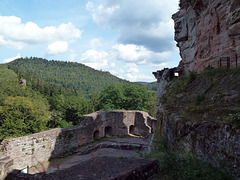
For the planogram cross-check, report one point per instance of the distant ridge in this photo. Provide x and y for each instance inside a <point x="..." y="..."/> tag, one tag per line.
<point x="149" y="85"/>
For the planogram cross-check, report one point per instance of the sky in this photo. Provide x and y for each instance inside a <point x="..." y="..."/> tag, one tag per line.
<point x="129" y="38"/>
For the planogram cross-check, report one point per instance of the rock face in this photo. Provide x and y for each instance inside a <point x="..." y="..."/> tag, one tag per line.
<point x="201" y="117"/>
<point x="206" y="31"/>
<point x="215" y="143"/>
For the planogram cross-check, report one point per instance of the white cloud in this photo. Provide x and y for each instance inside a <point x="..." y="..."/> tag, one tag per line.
<point x="144" y="23"/>
<point x="139" y="54"/>
<point x="15" y="34"/>
<point x="131" y="72"/>
<point x="95" y="43"/>
<point x="57" y="47"/>
<point x="95" y="59"/>
<point x="109" y="61"/>
<point x="12" y="58"/>
<point x="130" y="56"/>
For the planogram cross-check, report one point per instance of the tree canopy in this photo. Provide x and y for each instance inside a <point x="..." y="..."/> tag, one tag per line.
<point x="126" y="96"/>
<point x="22" y="115"/>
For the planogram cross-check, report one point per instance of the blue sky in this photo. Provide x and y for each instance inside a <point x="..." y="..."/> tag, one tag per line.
<point x="129" y="38"/>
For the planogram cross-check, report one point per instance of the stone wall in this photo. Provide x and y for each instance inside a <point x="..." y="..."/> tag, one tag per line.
<point x="207" y="30"/>
<point x="120" y="122"/>
<point x="39" y="147"/>
<point x="18" y="153"/>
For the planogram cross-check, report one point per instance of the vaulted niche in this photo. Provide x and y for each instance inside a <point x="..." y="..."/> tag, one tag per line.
<point x="96" y="134"/>
<point x="108" y="131"/>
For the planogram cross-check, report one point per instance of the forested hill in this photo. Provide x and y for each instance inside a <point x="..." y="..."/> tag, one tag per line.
<point x="70" y="75"/>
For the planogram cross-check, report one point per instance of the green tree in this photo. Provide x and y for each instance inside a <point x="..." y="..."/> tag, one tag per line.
<point x="136" y="97"/>
<point x="75" y="108"/>
<point x="111" y="97"/>
<point x="126" y="96"/>
<point x="21" y="115"/>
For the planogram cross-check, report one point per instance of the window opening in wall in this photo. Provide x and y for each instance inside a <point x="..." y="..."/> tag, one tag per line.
<point x="108" y="131"/>
<point x="96" y="134"/>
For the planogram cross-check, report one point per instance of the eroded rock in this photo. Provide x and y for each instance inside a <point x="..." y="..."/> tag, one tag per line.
<point x="207" y="30"/>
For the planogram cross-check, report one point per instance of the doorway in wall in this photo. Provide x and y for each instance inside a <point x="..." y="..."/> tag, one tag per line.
<point x="96" y="134"/>
<point x="108" y="131"/>
<point x="132" y="129"/>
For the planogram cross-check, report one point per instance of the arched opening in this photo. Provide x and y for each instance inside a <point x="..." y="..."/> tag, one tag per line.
<point x="96" y="134"/>
<point x="108" y="131"/>
<point x="132" y="129"/>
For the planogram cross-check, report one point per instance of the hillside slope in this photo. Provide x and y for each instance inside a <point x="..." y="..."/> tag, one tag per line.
<point x="74" y="76"/>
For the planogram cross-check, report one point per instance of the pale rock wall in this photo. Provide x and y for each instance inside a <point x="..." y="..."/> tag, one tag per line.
<point x="207" y="30"/>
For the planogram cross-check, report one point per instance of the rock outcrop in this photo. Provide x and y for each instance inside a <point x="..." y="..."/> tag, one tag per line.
<point x="207" y="31"/>
<point x="200" y="116"/>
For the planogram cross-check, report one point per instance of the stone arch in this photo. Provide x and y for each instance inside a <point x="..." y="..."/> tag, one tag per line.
<point x="96" y="134"/>
<point x="108" y="131"/>
<point x="132" y="129"/>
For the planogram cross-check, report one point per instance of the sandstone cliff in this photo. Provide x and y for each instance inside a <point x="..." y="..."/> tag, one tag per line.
<point x="206" y="31"/>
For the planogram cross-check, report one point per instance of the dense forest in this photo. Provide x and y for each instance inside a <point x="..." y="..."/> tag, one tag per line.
<point x="57" y="94"/>
<point x="71" y="75"/>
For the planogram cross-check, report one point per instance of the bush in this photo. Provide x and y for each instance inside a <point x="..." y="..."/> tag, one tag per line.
<point x="64" y="124"/>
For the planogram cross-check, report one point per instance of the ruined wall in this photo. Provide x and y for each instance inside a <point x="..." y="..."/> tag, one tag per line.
<point x="39" y="147"/>
<point x="207" y="30"/>
<point x="18" y="153"/>
<point x="120" y="122"/>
